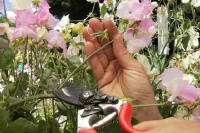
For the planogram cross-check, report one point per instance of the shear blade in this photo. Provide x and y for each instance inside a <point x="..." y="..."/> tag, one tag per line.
<point x="70" y="94"/>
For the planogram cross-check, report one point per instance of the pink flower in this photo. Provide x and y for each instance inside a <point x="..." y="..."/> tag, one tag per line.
<point x="172" y="81"/>
<point x="134" y="10"/>
<point x="140" y="37"/>
<point x="56" y="39"/>
<point x="44" y="17"/>
<point x="1" y="5"/>
<point x="25" y="18"/>
<point x="23" y="32"/>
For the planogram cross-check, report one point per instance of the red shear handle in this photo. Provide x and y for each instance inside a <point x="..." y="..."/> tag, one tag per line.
<point x="87" y="131"/>
<point x="125" y="116"/>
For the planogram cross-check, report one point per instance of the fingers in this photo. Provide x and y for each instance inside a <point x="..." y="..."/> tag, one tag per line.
<point x="149" y="125"/>
<point x="87" y="31"/>
<point x="111" y="27"/>
<point x="94" y="61"/>
<point x="121" y="53"/>
<point x="97" y="26"/>
<point x="109" y="74"/>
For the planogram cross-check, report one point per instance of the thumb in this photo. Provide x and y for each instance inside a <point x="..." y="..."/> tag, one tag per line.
<point x="121" y="53"/>
<point x="147" y="125"/>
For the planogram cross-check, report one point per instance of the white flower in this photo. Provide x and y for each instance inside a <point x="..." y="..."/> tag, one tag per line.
<point x="185" y="1"/>
<point x="92" y="1"/>
<point x="190" y="59"/>
<point x="195" y="3"/>
<point x="1" y="88"/>
<point x="11" y="16"/>
<point x="72" y="51"/>
<point x="42" y="32"/>
<point x="64" y="21"/>
<point x="190" y="78"/>
<point x="154" y="4"/>
<point x="194" y="36"/>
<point x="20" y="4"/>
<point x="145" y="62"/>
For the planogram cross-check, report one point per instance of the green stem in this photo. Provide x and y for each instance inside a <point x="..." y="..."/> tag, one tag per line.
<point x="95" y="52"/>
<point x="4" y="4"/>
<point x="152" y="105"/>
<point x="41" y="96"/>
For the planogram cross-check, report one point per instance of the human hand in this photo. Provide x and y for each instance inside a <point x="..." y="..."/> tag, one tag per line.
<point x="170" y="125"/>
<point x="116" y="72"/>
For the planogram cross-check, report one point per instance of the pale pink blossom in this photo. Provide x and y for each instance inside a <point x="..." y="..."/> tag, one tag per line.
<point x="140" y="37"/>
<point x="24" y="32"/>
<point x="172" y="81"/>
<point x="133" y="10"/>
<point x="56" y="39"/>
<point x="1" y="5"/>
<point x="44" y="17"/>
<point x="25" y="18"/>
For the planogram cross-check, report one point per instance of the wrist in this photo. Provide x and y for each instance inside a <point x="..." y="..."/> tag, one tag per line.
<point x="147" y="113"/>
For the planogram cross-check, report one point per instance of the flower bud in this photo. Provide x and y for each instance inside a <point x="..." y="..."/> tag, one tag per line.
<point x="77" y="28"/>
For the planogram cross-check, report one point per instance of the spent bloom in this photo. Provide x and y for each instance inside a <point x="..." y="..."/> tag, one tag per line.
<point x="44" y="17"/>
<point x="172" y="81"/>
<point x="134" y="10"/>
<point x="56" y="39"/>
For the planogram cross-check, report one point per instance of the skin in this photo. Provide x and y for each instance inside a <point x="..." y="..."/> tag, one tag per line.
<point x="170" y="125"/>
<point x="118" y="74"/>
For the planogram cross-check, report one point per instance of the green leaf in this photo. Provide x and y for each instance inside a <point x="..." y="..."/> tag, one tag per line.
<point x="22" y="125"/>
<point x="62" y="109"/>
<point x="185" y="42"/>
<point x="4" y="119"/>
<point x="6" y="58"/>
<point x="21" y="84"/>
<point x="103" y="10"/>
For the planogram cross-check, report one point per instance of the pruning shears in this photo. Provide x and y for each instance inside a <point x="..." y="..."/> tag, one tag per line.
<point x="92" y="104"/>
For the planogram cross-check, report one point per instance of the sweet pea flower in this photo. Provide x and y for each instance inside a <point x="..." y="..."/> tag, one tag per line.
<point x="56" y="39"/>
<point x="140" y="37"/>
<point x="23" y="32"/>
<point x="20" y="4"/>
<point x="133" y="10"/>
<point x="172" y="81"/>
<point x="44" y="17"/>
<point x="25" y="18"/>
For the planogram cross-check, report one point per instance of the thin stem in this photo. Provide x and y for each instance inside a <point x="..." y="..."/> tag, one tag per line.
<point x="95" y="52"/>
<point x="4" y="4"/>
<point x="152" y="105"/>
<point x="31" y="98"/>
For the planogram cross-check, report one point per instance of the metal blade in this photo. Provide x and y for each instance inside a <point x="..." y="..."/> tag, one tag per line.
<point x="70" y="94"/>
